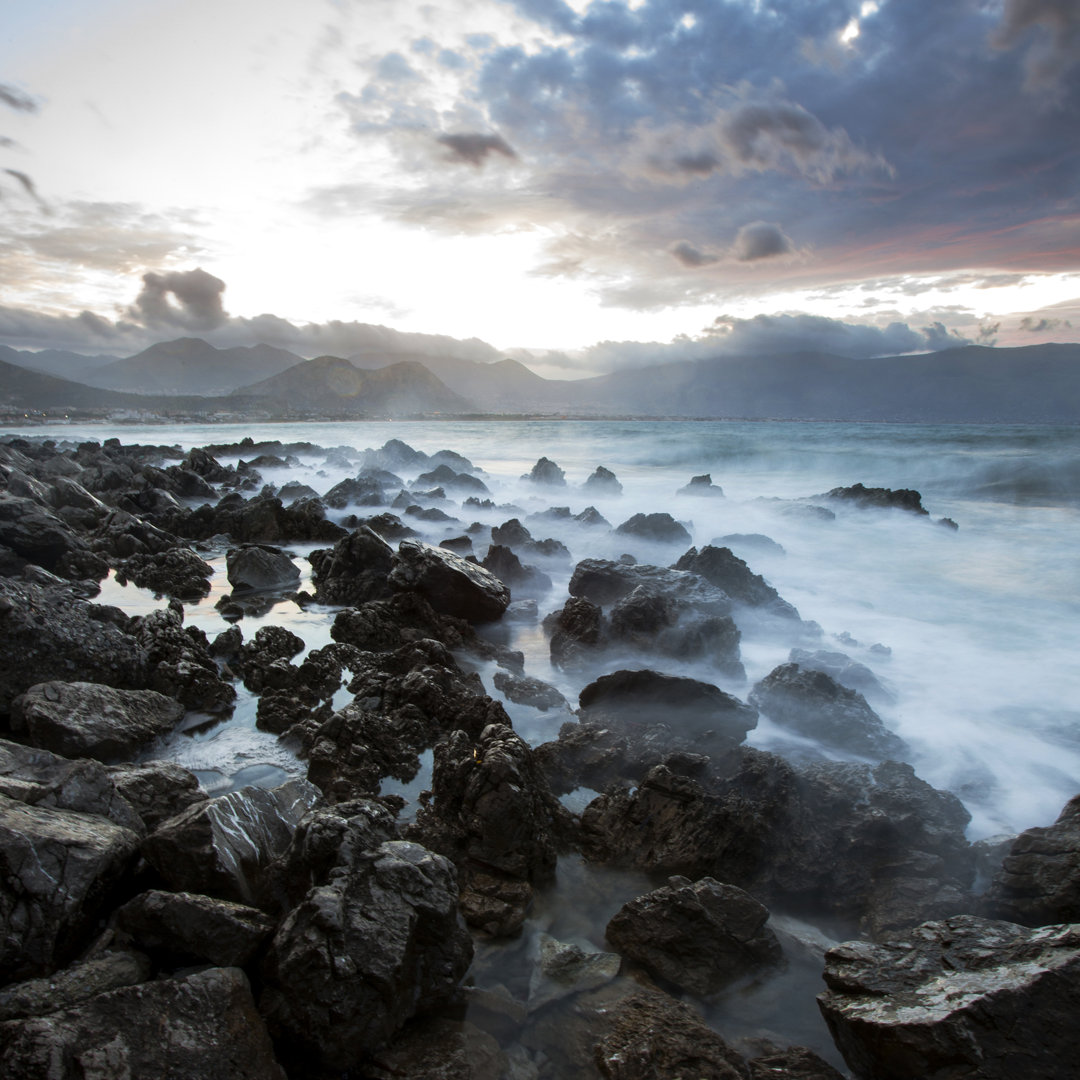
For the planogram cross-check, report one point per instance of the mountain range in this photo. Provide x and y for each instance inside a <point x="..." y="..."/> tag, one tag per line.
<point x="1039" y="383"/>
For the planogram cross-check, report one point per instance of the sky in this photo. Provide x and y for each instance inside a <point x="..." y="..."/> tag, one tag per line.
<point x="601" y="182"/>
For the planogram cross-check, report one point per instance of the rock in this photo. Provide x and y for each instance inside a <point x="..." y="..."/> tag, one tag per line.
<point x="204" y="1025"/>
<point x="547" y="473"/>
<point x="1039" y="879"/>
<point x="47" y="633"/>
<point x="258" y="567"/>
<point x="844" y="670"/>
<point x="755" y="542"/>
<point x="82" y="719"/>
<point x="363" y="954"/>
<point x="507" y="567"/>
<point x="565" y="968"/>
<point x="177" y="572"/>
<point x="702" y="486"/>
<point x="723" y="568"/>
<point x="294" y="491"/>
<point x="356" y="491"/>
<point x="190" y="927"/>
<point x="701" y="936"/>
<point x="58" y="872"/>
<point x="961" y="997"/>
<point x="73" y="985"/>
<point x="354" y="571"/>
<point x="220" y="847"/>
<point x="660" y="528"/>
<point x="440" y="1049"/>
<point x="815" y="705"/>
<point x="204" y="464"/>
<point x="460" y="545"/>
<point x="605" y="582"/>
<point x="259" y="520"/>
<point x="883" y="498"/>
<point x="257" y="661"/>
<point x="793" y="1063"/>
<point x="593" y="518"/>
<point x="388" y="526"/>
<point x="576" y="631"/>
<point x="158" y="790"/>
<point x="38" y="535"/>
<point x="525" y="691"/>
<point x="602" y="482"/>
<point x="445" y="477"/>
<point x="448" y="582"/>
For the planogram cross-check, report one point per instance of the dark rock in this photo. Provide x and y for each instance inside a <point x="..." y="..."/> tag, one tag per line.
<point x="844" y="670"/>
<point x="1039" y="879"/>
<point x="604" y="582"/>
<point x="511" y="534"/>
<point x="389" y="526"/>
<point x="881" y="498"/>
<point x="440" y="1049"/>
<point x="701" y="936"/>
<point x="38" y="535"/>
<point x="508" y="568"/>
<point x="602" y="482"/>
<point x="259" y="660"/>
<point x="460" y="545"/>
<point x="358" y="491"/>
<point x="394" y="454"/>
<point x="815" y="705"/>
<point x="443" y="476"/>
<point x="258" y="567"/>
<point x="448" y="582"/>
<point x="204" y="1025"/>
<point x="576" y="631"/>
<point x="547" y="473"/>
<point x="261" y="520"/>
<point x="724" y="569"/>
<point x="58" y="871"/>
<point x="431" y="513"/>
<point x="191" y="927"/>
<point x="592" y="517"/>
<point x="220" y="847"/>
<point x="756" y="542"/>
<point x="660" y="528"/>
<point x="293" y="491"/>
<point x="354" y="571"/>
<point x="793" y="1063"/>
<point x="525" y="691"/>
<point x="178" y="572"/>
<point x="565" y="969"/>
<point x="73" y="985"/>
<point x="702" y="486"/>
<point x="965" y="997"/>
<point x="205" y="465"/>
<point x="809" y="513"/>
<point x="395" y="920"/>
<point x="158" y="790"/>
<point x="82" y="719"/>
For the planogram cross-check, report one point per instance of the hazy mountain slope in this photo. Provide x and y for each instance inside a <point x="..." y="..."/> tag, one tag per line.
<point x="34" y="390"/>
<point x="330" y="385"/>
<point x="65" y="365"/>
<point x="192" y="366"/>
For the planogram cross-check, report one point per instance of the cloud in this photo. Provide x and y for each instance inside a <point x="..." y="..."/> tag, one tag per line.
<point x="1052" y="30"/>
<point x="689" y="255"/>
<point x="474" y="148"/>
<point x="761" y="240"/>
<point x="1042" y="325"/>
<point x="16" y="99"/>
<point x="187" y="299"/>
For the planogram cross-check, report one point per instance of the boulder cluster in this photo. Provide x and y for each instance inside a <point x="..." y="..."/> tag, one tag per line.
<point x="315" y="929"/>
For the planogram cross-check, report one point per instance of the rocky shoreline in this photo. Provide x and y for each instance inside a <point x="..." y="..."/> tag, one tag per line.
<point x="314" y="930"/>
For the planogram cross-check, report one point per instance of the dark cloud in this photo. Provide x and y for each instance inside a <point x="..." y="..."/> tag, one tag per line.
<point x="689" y="255"/>
<point x="16" y="99"/>
<point x="1043" y="325"/>
<point x="1050" y="30"/>
<point x="761" y="240"/>
<point x="26" y="184"/>
<point x="474" y="148"/>
<point x="186" y="299"/>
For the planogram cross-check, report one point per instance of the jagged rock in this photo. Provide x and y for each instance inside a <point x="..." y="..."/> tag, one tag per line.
<point x="547" y="473"/>
<point x="294" y="491"/>
<point x="576" y="631"/>
<point x="1039" y="879"/>
<point x="758" y="543"/>
<point x="177" y="572"/>
<point x="47" y="633"/>
<point x="702" y="486"/>
<point x="38" y="535"/>
<point x="592" y="517"/>
<point x="221" y="846"/>
<point x="354" y="571"/>
<point x="58" y="871"/>
<point x="255" y="662"/>
<point x="363" y="954"/>
<point x="511" y="534"/>
<point x="508" y="568"/>
<point x="204" y="464"/>
<point x="885" y="498"/>
<point x="604" y="582"/>
<point x="158" y="790"/>
<point x="448" y="582"/>
<point x="965" y="997"/>
<point x="203" y="1025"/>
<point x="844" y="670"/>
<point x="357" y="491"/>
<point x="565" y="968"/>
<point x="525" y="691"/>
<point x="815" y="705"/>
<point x="388" y="526"/>
<point x="440" y="1049"/>
<point x="188" y="926"/>
<point x="701" y="936"/>
<point x="459" y="545"/>
<point x="260" y="520"/>
<point x="82" y="719"/>
<point x="602" y="482"/>
<point x="257" y="567"/>
<point x="660" y="528"/>
<point x="445" y="477"/>
<point x="793" y="1063"/>
<point x="724" y="569"/>
<point x="73" y="985"/>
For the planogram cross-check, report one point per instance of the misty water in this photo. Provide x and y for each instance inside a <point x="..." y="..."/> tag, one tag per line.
<point x="974" y="632"/>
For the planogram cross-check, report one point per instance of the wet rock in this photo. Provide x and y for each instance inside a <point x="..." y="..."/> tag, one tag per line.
<point x="1039" y="879"/>
<point x="258" y="567"/>
<point x="389" y="526"/>
<point x="431" y="513"/>
<point x="604" y="581"/>
<point x="82" y="719"/>
<point x="186" y="927"/>
<point x="564" y="968"/>
<point x="452" y="585"/>
<point x="205" y="465"/>
<point x="460" y="545"/>
<point x="38" y="535"/>
<point x="844" y="670"/>
<point x="158" y="790"/>
<point x="220" y="847"/>
<point x="354" y="571"/>
<point x="721" y="567"/>
<point x="815" y="705"/>
<point x="660" y="528"/>
<point x="260" y="520"/>
<point x="602" y="482"/>
<point x="511" y="534"/>
<point x="58" y="872"/>
<point x="212" y="1031"/>
<point x="526" y="691"/>
<point x="702" y="486"/>
<point x="792" y="1063"/>
<point x="700" y="936"/>
<point x="294" y="491"/>
<point x="524" y="581"/>
<point x="363" y="954"/>
<point x="576" y="631"/>
<point x="357" y="491"/>
<point x="177" y="572"/>
<point x="593" y="518"/>
<point x="547" y="473"/>
<point x="445" y="477"/>
<point x="960" y="997"/>
<point x="73" y="985"/>
<point x="272" y="645"/>
<point x="440" y="1049"/>
<point x="878" y="498"/>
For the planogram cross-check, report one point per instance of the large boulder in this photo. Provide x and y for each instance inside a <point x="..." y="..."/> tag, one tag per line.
<point x="451" y="584"/>
<point x="813" y="704"/>
<point x="965" y="997"/>
<point x="158" y="790"/>
<point x="699" y="935"/>
<point x="721" y="567"/>
<point x="355" y="570"/>
<point x="260" y="567"/>
<point x="203" y="1025"/>
<point x="602" y="482"/>
<point x="58" y="871"/>
<point x="220" y="847"/>
<point x="1039" y="879"/>
<point x="576" y="632"/>
<point x="176" y="572"/>
<point x="82" y="719"/>
<point x="604" y="581"/>
<point x="878" y="498"/>
<point x="546" y="473"/>
<point x="38" y="535"/>
<point x="363" y="954"/>
<point x="659" y="528"/>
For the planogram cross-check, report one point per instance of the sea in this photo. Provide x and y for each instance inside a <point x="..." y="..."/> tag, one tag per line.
<point x="973" y="631"/>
